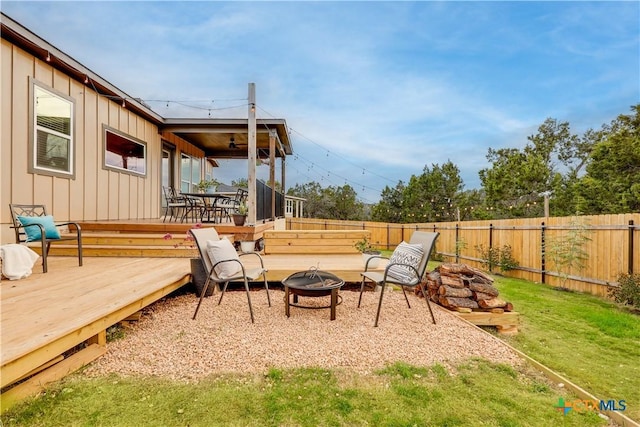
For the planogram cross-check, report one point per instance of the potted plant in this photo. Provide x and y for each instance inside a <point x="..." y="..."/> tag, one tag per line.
<point x="367" y="250"/>
<point x="240" y="214"/>
<point x="207" y="184"/>
<point x="247" y="244"/>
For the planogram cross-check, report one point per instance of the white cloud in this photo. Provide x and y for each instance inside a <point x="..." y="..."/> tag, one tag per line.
<point x="386" y="86"/>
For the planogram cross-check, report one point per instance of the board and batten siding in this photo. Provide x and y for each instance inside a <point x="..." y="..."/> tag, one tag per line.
<point x="95" y="193"/>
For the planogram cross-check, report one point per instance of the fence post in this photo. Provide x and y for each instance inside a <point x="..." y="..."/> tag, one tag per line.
<point x="490" y="246"/>
<point x="542" y="259"/>
<point x="457" y="246"/>
<point x="630" y="255"/>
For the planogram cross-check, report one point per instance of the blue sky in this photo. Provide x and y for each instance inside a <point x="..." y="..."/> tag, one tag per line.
<point x="372" y="91"/>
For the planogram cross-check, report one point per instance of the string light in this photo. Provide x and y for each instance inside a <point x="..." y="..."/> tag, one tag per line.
<point x="48" y="58"/>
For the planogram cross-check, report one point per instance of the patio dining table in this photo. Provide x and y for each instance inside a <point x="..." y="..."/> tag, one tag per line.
<point x="212" y="203"/>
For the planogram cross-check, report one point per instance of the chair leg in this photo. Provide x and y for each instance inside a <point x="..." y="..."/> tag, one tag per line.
<point x="266" y="286"/>
<point x="361" y="290"/>
<point x="79" y="247"/>
<point x="383" y="285"/>
<point x="224" y="289"/>
<point x="428" y="303"/>
<point x="45" y="250"/>
<point x="405" y="297"/>
<point x="246" y="287"/>
<point x="204" y="291"/>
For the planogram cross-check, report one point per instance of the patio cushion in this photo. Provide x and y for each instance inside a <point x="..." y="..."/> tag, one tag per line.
<point x="33" y="233"/>
<point x="408" y="254"/>
<point x="220" y="250"/>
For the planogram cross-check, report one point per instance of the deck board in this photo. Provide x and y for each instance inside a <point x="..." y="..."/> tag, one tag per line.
<point x="58" y="306"/>
<point x="47" y="314"/>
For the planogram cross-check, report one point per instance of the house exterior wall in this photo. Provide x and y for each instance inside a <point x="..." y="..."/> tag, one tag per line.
<point x="95" y="193"/>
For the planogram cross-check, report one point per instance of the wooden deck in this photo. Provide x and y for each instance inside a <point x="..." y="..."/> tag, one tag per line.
<point x="46" y="315"/>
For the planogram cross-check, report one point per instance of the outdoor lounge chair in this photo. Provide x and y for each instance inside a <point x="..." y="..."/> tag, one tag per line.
<point x="406" y="268"/>
<point x="222" y="264"/>
<point x="32" y="224"/>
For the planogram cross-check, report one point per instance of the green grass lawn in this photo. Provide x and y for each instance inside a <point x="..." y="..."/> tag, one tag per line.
<point x="590" y="341"/>
<point x="474" y="393"/>
<point x="586" y="339"/>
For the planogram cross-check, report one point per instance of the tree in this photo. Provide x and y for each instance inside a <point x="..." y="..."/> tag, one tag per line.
<point x="612" y="181"/>
<point x="240" y="183"/>
<point x="345" y="203"/>
<point x="389" y="208"/>
<point x="433" y="195"/>
<point x="472" y="206"/>
<point x="517" y="177"/>
<point x="315" y="205"/>
<point x="329" y="203"/>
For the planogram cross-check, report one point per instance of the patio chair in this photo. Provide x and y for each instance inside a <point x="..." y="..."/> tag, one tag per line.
<point x="178" y="206"/>
<point x="406" y="268"/>
<point x="32" y="224"/>
<point x="222" y="263"/>
<point x="229" y="207"/>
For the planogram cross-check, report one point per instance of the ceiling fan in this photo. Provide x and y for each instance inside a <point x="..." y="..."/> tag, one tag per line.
<point x="232" y="144"/>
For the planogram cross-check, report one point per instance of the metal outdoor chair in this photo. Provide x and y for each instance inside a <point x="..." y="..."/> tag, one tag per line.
<point x="411" y="274"/>
<point x="32" y="224"/>
<point x="177" y="206"/>
<point x="231" y="205"/>
<point x="228" y="259"/>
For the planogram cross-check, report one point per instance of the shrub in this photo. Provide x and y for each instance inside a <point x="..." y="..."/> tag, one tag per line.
<point x="500" y="257"/>
<point x="567" y="251"/>
<point x="628" y="290"/>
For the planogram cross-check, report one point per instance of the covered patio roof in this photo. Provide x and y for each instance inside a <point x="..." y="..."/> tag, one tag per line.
<point x="228" y="138"/>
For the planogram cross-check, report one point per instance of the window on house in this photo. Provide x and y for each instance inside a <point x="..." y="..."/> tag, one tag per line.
<point x="52" y="145"/>
<point x="189" y="173"/>
<point x="124" y="153"/>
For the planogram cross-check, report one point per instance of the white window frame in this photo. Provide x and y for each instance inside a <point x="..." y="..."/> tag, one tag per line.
<point x="39" y="89"/>
<point x="195" y="167"/>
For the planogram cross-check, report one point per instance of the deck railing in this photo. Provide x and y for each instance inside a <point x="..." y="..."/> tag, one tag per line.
<point x="264" y="202"/>
<point x="613" y="246"/>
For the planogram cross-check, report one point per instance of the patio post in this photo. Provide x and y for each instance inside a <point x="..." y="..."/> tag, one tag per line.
<point x="251" y="156"/>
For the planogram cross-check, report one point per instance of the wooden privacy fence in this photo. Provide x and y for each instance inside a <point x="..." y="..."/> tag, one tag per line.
<point x="612" y="248"/>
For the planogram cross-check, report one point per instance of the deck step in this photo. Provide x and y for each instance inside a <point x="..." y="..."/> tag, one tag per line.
<point x="134" y="245"/>
<point x="147" y="239"/>
<point x="130" y="251"/>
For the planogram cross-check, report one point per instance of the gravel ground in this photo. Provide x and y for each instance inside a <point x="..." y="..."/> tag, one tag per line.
<point x="166" y="342"/>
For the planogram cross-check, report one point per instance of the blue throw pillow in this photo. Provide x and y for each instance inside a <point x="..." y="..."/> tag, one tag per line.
<point x="33" y="233"/>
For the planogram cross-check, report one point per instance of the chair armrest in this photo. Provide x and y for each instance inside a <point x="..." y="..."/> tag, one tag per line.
<point x="256" y="254"/>
<point x="42" y="238"/>
<point x="213" y="267"/>
<point x="366" y="266"/>
<point x="75" y="224"/>
<point x="417" y="280"/>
